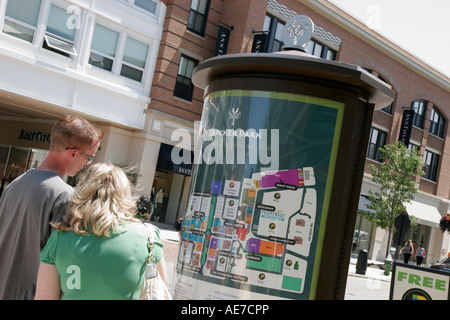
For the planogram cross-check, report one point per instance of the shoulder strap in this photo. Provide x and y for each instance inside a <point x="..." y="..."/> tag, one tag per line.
<point x="151" y="241"/>
<point x="151" y="232"/>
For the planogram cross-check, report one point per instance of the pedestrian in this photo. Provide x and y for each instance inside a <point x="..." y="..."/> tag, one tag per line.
<point x="35" y="198"/>
<point x="420" y="254"/>
<point x="100" y="250"/>
<point x="408" y="251"/>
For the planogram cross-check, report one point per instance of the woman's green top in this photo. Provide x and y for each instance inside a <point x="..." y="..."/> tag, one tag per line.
<point x="101" y="268"/>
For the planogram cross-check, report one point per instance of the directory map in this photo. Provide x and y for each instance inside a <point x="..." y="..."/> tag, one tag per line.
<point x="259" y="195"/>
<point x="255" y="234"/>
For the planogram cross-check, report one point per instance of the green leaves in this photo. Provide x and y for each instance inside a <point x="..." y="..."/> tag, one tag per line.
<point x="396" y="177"/>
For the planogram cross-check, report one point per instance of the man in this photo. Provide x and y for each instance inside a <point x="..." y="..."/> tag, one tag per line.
<point x="36" y="198"/>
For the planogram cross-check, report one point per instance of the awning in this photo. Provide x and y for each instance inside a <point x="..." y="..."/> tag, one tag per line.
<point x="165" y="160"/>
<point x="363" y="201"/>
<point x="425" y="214"/>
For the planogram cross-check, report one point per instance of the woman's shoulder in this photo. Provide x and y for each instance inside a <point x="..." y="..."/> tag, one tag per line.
<point x="136" y="227"/>
<point x="65" y="236"/>
<point x="141" y="229"/>
<point x="140" y="225"/>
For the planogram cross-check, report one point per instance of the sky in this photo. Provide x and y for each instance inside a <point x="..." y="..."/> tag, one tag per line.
<point x="420" y="27"/>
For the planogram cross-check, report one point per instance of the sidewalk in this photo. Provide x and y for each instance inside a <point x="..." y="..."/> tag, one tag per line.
<point x="170" y="239"/>
<point x="375" y="270"/>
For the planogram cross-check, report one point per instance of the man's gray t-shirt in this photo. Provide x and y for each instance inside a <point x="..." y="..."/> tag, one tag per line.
<point x="27" y="207"/>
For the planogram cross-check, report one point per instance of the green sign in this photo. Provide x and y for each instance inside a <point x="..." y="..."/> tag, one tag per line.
<point x="260" y="190"/>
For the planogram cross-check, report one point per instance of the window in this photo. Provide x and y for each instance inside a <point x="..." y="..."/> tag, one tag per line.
<point x="419" y="107"/>
<point x="275" y="28"/>
<point x="105" y="51"/>
<point x="197" y="16"/>
<point x="184" y="86"/>
<point x="104" y="46"/>
<point x="377" y="140"/>
<point x="60" y="33"/>
<point x="437" y="123"/>
<point x="134" y="57"/>
<point x="320" y="50"/>
<point x="21" y="18"/>
<point x="413" y="147"/>
<point x="147" y="5"/>
<point x="387" y="109"/>
<point x="431" y="165"/>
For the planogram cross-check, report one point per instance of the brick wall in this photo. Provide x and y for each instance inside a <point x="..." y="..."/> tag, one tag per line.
<point x="247" y="16"/>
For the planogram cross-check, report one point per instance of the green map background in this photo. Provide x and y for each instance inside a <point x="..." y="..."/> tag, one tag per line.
<point x="309" y="130"/>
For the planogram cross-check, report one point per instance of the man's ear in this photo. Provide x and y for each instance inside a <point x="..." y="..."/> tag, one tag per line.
<point x="72" y="152"/>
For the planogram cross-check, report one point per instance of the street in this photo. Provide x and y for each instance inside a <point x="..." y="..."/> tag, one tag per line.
<point x="359" y="288"/>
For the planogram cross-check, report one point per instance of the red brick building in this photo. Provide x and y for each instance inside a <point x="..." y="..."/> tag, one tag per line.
<point x="191" y="34"/>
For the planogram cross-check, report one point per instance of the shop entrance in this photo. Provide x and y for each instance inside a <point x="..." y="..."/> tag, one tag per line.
<point x="16" y="160"/>
<point x="170" y="185"/>
<point x="362" y="235"/>
<point x="170" y="196"/>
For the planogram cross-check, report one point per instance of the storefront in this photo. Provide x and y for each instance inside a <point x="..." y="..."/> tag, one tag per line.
<point x="23" y="145"/>
<point x="25" y="142"/>
<point x="424" y="230"/>
<point x="363" y="228"/>
<point x="170" y="185"/>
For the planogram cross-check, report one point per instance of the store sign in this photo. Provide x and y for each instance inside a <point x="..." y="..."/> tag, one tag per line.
<point x="260" y="41"/>
<point x="259" y="196"/>
<point x="35" y="136"/>
<point x="222" y="41"/>
<point x="406" y="127"/>
<point x="415" y="283"/>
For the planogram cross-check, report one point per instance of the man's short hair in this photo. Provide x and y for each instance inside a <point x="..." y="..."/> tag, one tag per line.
<point x="74" y="132"/>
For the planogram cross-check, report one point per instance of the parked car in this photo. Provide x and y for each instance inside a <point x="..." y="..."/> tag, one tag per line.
<point x="443" y="265"/>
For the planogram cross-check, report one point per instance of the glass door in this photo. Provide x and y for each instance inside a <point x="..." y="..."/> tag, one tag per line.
<point x="16" y="160"/>
<point x="362" y="235"/>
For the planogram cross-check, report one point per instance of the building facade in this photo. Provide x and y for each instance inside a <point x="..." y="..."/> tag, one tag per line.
<point x="195" y="30"/>
<point x="92" y="58"/>
<point x="127" y="65"/>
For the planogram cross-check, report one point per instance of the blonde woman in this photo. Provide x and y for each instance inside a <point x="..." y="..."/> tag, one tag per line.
<point x="100" y="250"/>
<point x="408" y="251"/>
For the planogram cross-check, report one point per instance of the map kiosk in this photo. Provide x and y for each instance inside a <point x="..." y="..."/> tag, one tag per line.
<point x="277" y="174"/>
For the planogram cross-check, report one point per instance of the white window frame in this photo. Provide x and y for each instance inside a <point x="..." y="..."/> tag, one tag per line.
<point x="112" y="58"/>
<point x="156" y="13"/>
<point x="60" y="43"/>
<point x="141" y="8"/>
<point x="21" y="23"/>
<point x="120" y="49"/>
<point x="129" y="64"/>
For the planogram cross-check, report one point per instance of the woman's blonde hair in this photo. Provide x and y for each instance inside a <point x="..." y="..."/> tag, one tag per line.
<point x="102" y="200"/>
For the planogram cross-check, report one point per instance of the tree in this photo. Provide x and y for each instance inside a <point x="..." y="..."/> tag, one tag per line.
<point x="396" y="176"/>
